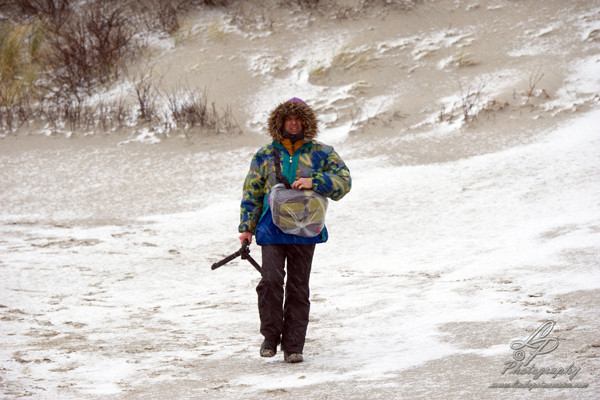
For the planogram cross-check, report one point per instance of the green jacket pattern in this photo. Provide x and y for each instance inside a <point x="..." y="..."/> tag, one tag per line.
<point x="330" y="177"/>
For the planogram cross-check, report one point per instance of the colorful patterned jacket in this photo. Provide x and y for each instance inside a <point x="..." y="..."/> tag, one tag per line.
<point x="315" y="160"/>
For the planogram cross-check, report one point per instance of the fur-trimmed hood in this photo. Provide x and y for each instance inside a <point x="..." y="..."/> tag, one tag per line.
<point x="300" y="109"/>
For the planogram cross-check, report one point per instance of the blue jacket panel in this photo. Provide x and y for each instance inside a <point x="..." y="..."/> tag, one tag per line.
<point x="330" y="177"/>
<point x="268" y="233"/>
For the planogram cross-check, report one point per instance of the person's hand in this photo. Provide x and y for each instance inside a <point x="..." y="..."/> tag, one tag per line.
<point x="246" y="236"/>
<point x="302" y="184"/>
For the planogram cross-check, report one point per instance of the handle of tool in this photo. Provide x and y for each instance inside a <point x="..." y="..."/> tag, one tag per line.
<point x="225" y="260"/>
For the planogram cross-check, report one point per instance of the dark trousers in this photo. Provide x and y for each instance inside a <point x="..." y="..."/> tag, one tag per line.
<point x="280" y="320"/>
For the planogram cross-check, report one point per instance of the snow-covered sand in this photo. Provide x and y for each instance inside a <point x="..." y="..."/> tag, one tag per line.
<point x="454" y="242"/>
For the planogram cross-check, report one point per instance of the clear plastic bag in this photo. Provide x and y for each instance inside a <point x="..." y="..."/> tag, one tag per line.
<point x="298" y="212"/>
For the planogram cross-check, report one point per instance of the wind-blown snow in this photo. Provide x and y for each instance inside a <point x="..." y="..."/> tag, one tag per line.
<point x="106" y="289"/>
<point x="411" y="248"/>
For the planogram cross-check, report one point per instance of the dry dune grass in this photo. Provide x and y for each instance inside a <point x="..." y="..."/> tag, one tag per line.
<point x="58" y="54"/>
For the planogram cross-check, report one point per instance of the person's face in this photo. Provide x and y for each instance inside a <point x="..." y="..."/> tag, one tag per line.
<point x="293" y="124"/>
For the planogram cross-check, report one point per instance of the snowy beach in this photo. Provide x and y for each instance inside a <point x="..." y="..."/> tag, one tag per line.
<point x="457" y="240"/>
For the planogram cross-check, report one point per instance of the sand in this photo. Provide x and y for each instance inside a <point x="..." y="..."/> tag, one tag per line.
<point x="471" y="223"/>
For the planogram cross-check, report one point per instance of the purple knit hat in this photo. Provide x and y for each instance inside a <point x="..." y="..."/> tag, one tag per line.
<point x="298" y="100"/>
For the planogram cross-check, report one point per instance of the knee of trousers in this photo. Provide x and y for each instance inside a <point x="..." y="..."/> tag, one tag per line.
<point x="272" y="277"/>
<point x="270" y="284"/>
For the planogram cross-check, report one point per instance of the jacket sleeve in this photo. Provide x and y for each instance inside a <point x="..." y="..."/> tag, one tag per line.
<point x="334" y="179"/>
<point x="253" y="193"/>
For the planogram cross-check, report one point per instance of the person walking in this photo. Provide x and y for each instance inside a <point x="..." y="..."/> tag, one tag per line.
<point x="307" y="165"/>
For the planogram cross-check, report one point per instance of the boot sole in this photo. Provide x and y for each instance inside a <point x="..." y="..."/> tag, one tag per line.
<point x="267" y="353"/>
<point x="294" y="358"/>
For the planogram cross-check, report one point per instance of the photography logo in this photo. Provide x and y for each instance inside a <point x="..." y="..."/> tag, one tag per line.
<point x="529" y="375"/>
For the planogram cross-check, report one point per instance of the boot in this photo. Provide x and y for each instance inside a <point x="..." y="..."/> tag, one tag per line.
<point x="292" y="358"/>
<point x="268" y="349"/>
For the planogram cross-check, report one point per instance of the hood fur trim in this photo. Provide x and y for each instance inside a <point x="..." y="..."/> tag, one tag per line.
<point x="302" y="110"/>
